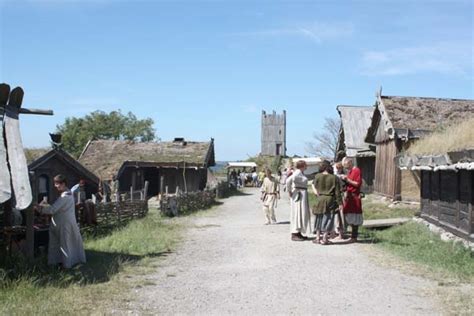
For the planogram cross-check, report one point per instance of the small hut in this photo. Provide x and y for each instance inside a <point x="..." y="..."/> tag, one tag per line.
<point x="397" y="122"/>
<point x="447" y="179"/>
<point x="355" y="121"/>
<point x="48" y="164"/>
<point x="178" y="164"/>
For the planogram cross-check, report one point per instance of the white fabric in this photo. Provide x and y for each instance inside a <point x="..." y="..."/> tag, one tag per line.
<point x="354" y="219"/>
<point x="65" y="241"/>
<point x="300" y="216"/>
<point x="270" y="187"/>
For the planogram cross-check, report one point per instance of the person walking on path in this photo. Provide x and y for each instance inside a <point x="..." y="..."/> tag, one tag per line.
<point x="352" y="201"/>
<point x="300" y="216"/>
<point x="65" y="241"/>
<point x="328" y="201"/>
<point x="270" y="194"/>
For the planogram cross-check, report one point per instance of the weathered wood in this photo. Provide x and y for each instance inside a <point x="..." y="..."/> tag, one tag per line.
<point x="145" y="190"/>
<point x="381" y="223"/>
<point x="16" y="154"/>
<point x="36" y="111"/>
<point x="5" y="185"/>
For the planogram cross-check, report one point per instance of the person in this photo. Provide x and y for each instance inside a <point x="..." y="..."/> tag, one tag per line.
<point x="339" y="221"/>
<point x="239" y="179"/>
<point x="352" y="201"/>
<point x="233" y="178"/>
<point x="261" y="176"/>
<point x="65" y="241"/>
<point x="284" y="176"/>
<point x="297" y="187"/>
<point x="270" y="194"/>
<point x="328" y="201"/>
<point x="255" y="178"/>
<point x="243" y="178"/>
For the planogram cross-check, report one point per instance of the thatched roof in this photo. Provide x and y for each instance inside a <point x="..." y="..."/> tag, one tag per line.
<point x="449" y="149"/>
<point x="106" y="157"/>
<point x="413" y="117"/>
<point x="355" y="121"/>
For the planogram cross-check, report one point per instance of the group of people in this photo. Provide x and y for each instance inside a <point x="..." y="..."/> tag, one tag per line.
<point x="242" y="178"/>
<point x="338" y="202"/>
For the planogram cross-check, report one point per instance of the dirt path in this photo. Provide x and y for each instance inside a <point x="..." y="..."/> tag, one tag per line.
<point x="230" y="263"/>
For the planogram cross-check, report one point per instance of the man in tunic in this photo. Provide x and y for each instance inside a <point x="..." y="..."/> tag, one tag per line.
<point x="270" y="194"/>
<point x="328" y="201"/>
<point x="300" y="216"/>
<point x="352" y="201"/>
<point x="65" y="241"/>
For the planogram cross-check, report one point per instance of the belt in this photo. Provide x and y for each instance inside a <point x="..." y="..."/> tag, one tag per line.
<point x="271" y="193"/>
<point x="301" y="188"/>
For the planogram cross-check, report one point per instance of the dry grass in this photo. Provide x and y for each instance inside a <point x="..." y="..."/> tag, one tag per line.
<point x="455" y="137"/>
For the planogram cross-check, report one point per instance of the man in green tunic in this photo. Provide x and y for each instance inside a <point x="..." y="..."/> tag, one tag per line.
<point x="326" y="187"/>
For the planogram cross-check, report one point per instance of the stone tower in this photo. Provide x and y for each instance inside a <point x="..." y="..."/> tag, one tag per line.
<point x="273" y="134"/>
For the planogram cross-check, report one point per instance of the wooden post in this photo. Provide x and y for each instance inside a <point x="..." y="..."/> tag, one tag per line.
<point x="166" y="190"/>
<point x="131" y="193"/>
<point x="145" y="190"/>
<point x="30" y="218"/>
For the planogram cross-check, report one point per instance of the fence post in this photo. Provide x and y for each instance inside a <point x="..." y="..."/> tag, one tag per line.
<point x="145" y="190"/>
<point x="131" y="193"/>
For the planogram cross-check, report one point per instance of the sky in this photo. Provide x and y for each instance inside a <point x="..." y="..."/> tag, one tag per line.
<point x="207" y="69"/>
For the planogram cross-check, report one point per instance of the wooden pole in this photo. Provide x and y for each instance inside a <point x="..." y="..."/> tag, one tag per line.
<point x="30" y="219"/>
<point x="145" y="190"/>
<point x="131" y="193"/>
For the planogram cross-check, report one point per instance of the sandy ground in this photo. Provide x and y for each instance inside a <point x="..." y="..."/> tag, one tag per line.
<point x="230" y="263"/>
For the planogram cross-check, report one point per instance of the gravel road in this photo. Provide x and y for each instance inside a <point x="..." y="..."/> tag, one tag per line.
<point x="230" y="263"/>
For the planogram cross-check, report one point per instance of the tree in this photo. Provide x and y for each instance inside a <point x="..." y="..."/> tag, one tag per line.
<point x="76" y="132"/>
<point x="325" y="142"/>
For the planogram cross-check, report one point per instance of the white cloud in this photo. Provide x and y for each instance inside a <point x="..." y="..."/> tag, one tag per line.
<point x="442" y="58"/>
<point x="316" y="32"/>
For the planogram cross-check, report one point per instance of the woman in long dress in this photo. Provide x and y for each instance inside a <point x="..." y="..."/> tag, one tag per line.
<point x="65" y="241"/>
<point x="300" y="216"/>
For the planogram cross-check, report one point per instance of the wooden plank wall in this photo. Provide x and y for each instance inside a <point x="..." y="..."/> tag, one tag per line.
<point x="387" y="174"/>
<point x="446" y="200"/>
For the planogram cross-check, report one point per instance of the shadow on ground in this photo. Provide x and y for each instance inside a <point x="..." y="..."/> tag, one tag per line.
<point x="100" y="267"/>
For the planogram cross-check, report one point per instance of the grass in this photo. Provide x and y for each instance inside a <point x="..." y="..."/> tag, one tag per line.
<point x="456" y="137"/>
<point x="416" y="243"/>
<point x="96" y="287"/>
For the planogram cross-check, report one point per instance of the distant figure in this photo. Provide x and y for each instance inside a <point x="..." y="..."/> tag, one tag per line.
<point x="255" y="179"/>
<point x="352" y="200"/>
<point x="239" y="179"/>
<point x="243" y="178"/>
<point x="326" y="187"/>
<point x="270" y="194"/>
<point x="65" y="241"/>
<point x="233" y="178"/>
<point x="261" y="176"/>
<point x="300" y="216"/>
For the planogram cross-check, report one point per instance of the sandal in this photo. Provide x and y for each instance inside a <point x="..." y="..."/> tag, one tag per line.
<point x="316" y="241"/>
<point x="325" y="242"/>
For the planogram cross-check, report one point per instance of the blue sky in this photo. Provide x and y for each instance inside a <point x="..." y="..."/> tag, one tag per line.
<point x="205" y="69"/>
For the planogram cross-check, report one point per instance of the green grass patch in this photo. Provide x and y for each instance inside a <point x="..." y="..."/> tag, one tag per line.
<point x="94" y="287"/>
<point x="416" y="243"/>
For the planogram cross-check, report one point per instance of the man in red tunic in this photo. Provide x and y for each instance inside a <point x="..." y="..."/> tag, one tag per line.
<point x="352" y="202"/>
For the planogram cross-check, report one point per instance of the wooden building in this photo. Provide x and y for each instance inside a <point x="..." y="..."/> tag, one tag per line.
<point x="179" y="163"/>
<point x="46" y="165"/>
<point x="396" y="123"/>
<point x="447" y="189"/>
<point x="355" y="121"/>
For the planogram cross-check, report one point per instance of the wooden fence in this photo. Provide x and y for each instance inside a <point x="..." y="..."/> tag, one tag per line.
<point x="186" y="203"/>
<point x="115" y="214"/>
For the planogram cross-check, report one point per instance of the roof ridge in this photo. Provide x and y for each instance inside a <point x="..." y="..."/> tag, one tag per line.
<point x="425" y="98"/>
